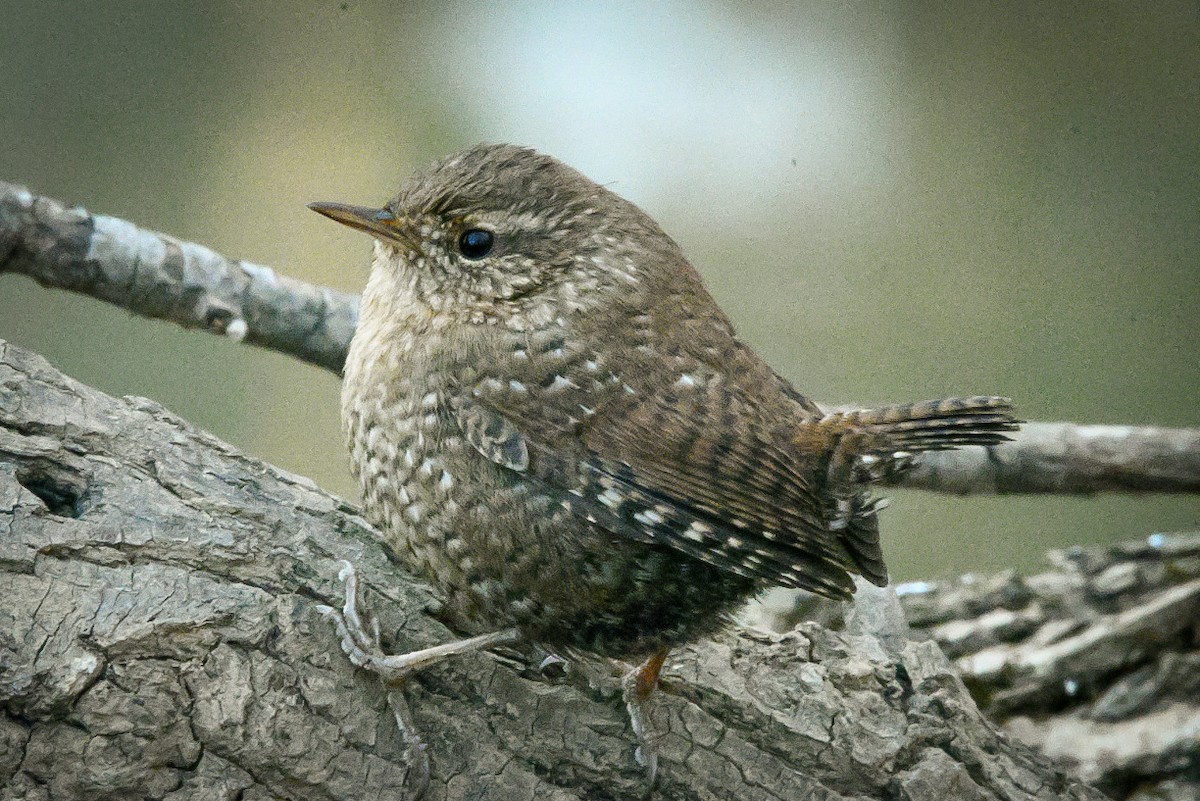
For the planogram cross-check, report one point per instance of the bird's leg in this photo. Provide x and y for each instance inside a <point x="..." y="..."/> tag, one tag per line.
<point x="359" y="632"/>
<point x="638" y="686"/>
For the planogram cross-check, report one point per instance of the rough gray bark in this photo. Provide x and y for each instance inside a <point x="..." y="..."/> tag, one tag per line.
<point x="1096" y="662"/>
<point x="158" y="276"/>
<point x="1068" y="459"/>
<point x="159" y="639"/>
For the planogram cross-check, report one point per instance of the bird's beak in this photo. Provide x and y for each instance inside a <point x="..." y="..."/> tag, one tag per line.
<point x="379" y="223"/>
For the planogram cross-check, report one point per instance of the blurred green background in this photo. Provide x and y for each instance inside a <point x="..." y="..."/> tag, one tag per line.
<point x="894" y="201"/>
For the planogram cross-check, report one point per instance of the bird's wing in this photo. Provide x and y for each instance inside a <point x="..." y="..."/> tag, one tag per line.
<point x="687" y="458"/>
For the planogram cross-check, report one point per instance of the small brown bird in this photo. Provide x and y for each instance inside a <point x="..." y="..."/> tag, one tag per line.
<point x="555" y="424"/>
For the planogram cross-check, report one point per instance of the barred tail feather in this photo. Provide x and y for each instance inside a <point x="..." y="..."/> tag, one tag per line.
<point x="935" y="425"/>
<point x="872" y="443"/>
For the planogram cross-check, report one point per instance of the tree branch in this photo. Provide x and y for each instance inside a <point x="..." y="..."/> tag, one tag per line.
<point x="1097" y="661"/>
<point x="159" y="638"/>
<point x="1067" y="459"/>
<point x="157" y="276"/>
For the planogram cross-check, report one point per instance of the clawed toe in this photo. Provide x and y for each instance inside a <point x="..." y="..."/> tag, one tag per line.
<point x="361" y="626"/>
<point x="359" y="631"/>
<point x="553" y="667"/>
<point x="418" y="754"/>
<point x="645" y="754"/>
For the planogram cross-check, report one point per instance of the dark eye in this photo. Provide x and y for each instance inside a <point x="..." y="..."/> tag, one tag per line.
<point x="476" y="243"/>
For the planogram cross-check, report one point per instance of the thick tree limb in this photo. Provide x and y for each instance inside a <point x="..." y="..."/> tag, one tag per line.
<point x="159" y="639"/>
<point x="155" y="275"/>
<point x="1096" y="662"/>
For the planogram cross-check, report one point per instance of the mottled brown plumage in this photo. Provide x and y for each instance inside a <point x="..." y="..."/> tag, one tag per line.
<point x="554" y="422"/>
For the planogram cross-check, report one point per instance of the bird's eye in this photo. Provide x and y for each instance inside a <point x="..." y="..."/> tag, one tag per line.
<point x="476" y="243"/>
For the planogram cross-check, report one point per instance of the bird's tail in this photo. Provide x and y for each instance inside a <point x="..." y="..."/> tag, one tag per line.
<point x="874" y="440"/>
<point x="872" y="444"/>
<point x="936" y="425"/>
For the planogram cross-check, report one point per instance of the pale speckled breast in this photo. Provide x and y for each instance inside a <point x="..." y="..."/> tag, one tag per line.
<point x="502" y="549"/>
<point x="403" y="448"/>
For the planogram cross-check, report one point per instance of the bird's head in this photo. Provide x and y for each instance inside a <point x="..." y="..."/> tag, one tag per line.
<point x="504" y="234"/>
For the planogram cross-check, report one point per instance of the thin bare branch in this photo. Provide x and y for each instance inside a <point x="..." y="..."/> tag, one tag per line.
<point x="158" y="276"/>
<point x="1067" y="459"/>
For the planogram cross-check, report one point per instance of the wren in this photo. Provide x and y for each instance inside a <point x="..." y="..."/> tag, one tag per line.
<point x="555" y="424"/>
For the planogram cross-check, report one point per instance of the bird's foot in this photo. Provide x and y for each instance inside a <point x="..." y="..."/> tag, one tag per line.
<point x="360" y="638"/>
<point x="359" y="632"/>
<point x="638" y="689"/>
